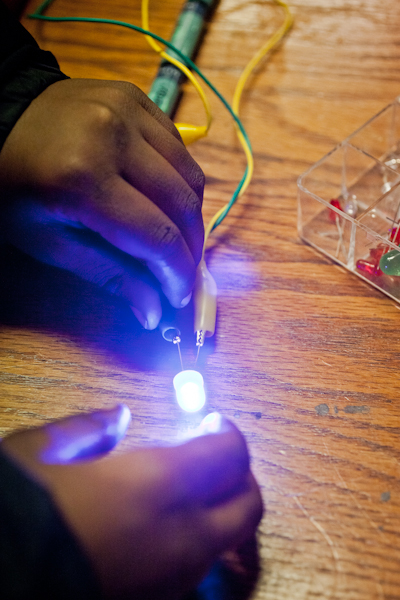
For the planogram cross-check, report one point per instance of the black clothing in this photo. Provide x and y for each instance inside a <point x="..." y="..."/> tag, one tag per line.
<point x="39" y="556"/>
<point x="25" y="71"/>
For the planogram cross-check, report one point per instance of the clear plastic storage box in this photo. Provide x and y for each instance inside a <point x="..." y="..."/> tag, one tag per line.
<point x="349" y="201"/>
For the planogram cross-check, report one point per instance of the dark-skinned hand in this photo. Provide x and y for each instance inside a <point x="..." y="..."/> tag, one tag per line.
<point x="151" y="521"/>
<point x="95" y="179"/>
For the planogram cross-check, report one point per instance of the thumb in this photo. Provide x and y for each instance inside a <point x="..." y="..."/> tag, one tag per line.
<point x="213" y="465"/>
<point x="70" y="439"/>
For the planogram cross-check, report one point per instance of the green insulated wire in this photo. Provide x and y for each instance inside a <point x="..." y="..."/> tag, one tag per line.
<point x="38" y="14"/>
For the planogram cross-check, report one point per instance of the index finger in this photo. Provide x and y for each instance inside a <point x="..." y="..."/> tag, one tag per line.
<point x="131" y="222"/>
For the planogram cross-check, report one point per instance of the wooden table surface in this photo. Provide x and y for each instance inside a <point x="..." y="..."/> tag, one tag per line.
<point x="305" y="359"/>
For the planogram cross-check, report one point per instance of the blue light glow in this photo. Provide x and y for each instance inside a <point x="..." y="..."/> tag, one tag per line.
<point x="189" y="387"/>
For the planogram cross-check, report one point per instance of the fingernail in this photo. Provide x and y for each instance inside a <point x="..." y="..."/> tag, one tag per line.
<point x="142" y="320"/>
<point x="186" y="300"/>
<point x="153" y="319"/>
<point x="113" y="427"/>
<point x="213" y="423"/>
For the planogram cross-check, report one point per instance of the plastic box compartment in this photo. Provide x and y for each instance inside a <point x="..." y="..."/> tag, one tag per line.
<point x="362" y="176"/>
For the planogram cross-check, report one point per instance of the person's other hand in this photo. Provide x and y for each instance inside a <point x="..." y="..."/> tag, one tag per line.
<point x="151" y="521"/>
<point x="95" y="179"/>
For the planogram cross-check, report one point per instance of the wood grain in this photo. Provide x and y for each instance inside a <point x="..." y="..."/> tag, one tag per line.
<point x="306" y="356"/>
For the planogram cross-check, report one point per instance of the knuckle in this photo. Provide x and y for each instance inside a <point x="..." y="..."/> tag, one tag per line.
<point x="81" y="166"/>
<point x="168" y="240"/>
<point x="191" y="221"/>
<point x="106" y="122"/>
<point x="112" y="283"/>
<point x="74" y="172"/>
<point x="190" y="207"/>
<point x="199" y="181"/>
<point x="123" y="95"/>
<point x="108" y="277"/>
<point x="195" y="178"/>
<point x="102" y="116"/>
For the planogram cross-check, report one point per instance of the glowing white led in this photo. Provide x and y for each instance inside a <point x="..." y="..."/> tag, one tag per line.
<point x="189" y="387"/>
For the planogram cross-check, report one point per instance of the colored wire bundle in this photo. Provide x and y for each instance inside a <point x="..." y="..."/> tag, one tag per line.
<point x="185" y="67"/>
<point x="182" y="67"/>
<point x="270" y="44"/>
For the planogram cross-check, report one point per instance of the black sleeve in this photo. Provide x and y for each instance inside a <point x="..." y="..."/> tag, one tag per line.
<point x="25" y="71"/>
<point x="39" y="557"/>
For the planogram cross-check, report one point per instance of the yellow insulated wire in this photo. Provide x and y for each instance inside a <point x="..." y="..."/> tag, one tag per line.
<point x="270" y="44"/>
<point x="250" y="169"/>
<point x="178" y="64"/>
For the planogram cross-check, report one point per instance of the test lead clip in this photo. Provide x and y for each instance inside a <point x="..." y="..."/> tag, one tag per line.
<point x="205" y="310"/>
<point x="205" y="304"/>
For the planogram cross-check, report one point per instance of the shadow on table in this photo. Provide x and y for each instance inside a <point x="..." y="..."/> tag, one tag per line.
<point x="232" y="578"/>
<point x="43" y="298"/>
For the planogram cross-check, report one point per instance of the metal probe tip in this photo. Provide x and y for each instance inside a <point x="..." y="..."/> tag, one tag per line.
<point x="200" y="338"/>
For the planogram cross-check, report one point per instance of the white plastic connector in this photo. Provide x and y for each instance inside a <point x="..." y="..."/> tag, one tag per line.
<point x="205" y="303"/>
